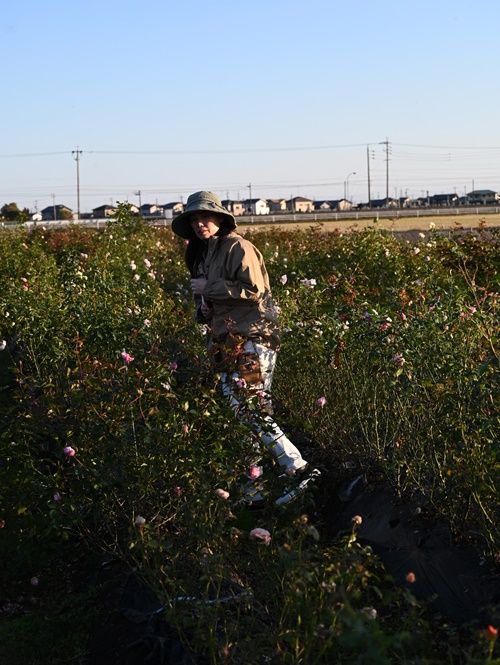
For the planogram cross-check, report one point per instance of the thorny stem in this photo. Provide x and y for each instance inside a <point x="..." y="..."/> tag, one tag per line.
<point x="134" y="435"/>
<point x="483" y="510"/>
<point x="472" y="286"/>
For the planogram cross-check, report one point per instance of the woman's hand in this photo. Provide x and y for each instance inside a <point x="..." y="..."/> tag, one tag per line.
<point x="198" y="285"/>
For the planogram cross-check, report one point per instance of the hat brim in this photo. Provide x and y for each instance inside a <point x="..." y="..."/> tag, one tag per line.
<point x="181" y="225"/>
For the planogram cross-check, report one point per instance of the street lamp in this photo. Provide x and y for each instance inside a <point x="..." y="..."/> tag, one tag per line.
<point x="138" y="193"/>
<point x="346" y="184"/>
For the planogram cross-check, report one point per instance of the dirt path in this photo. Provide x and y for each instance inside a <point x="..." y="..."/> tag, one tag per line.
<point x="406" y="224"/>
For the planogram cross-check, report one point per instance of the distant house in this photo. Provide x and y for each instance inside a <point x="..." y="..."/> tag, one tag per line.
<point x="483" y="197"/>
<point x="340" y="204"/>
<point x="151" y="210"/>
<point x="104" y="211"/>
<point x="337" y="204"/>
<point x="384" y="203"/>
<point x="322" y="205"/>
<point x="256" y="207"/>
<point x="405" y="202"/>
<point x="277" y="205"/>
<point x="442" y="200"/>
<point x="175" y="207"/>
<point x="300" y="204"/>
<point x="236" y="208"/>
<point x="51" y="213"/>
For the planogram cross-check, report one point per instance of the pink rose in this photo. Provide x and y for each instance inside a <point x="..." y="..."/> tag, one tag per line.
<point x="321" y="401"/>
<point x="69" y="451"/>
<point x="260" y="535"/>
<point x="126" y="357"/>
<point x="222" y="494"/>
<point x="254" y="472"/>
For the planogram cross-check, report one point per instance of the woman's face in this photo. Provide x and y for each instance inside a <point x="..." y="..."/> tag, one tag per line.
<point x="205" y="224"/>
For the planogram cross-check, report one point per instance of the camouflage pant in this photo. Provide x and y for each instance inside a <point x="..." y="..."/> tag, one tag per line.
<point x="251" y="379"/>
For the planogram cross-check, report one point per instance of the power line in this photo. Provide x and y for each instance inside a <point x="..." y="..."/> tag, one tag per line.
<point x="210" y="151"/>
<point x="448" y="147"/>
<point x="237" y="150"/>
<point x="225" y="151"/>
<point x="66" y="190"/>
<point x="207" y="151"/>
<point x="33" y="154"/>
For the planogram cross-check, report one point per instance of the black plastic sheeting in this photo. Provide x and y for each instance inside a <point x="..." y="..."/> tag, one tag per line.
<point x="131" y="629"/>
<point x="453" y="579"/>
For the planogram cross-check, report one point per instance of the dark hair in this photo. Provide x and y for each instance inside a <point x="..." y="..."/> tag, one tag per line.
<point x="196" y="248"/>
<point x="194" y="254"/>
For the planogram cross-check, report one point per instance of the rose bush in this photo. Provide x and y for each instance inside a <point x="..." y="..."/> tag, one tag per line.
<point x="113" y="434"/>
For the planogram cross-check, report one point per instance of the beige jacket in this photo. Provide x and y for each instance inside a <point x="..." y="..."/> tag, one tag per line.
<point x="238" y="291"/>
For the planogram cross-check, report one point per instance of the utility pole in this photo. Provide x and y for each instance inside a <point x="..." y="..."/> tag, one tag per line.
<point x="387" y="144"/>
<point x="250" y="196"/>
<point x="54" y="207"/>
<point x="369" y="155"/>
<point x="76" y="154"/>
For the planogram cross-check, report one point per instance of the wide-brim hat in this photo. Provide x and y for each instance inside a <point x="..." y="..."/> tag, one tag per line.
<point x="201" y="202"/>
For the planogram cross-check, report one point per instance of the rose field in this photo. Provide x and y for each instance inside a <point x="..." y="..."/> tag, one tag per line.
<point x="121" y="466"/>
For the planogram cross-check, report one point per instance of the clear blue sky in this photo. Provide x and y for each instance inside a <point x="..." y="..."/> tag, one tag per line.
<point x="170" y="97"/>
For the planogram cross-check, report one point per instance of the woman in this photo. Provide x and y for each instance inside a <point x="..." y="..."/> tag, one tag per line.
<point x="232" y="296"/>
